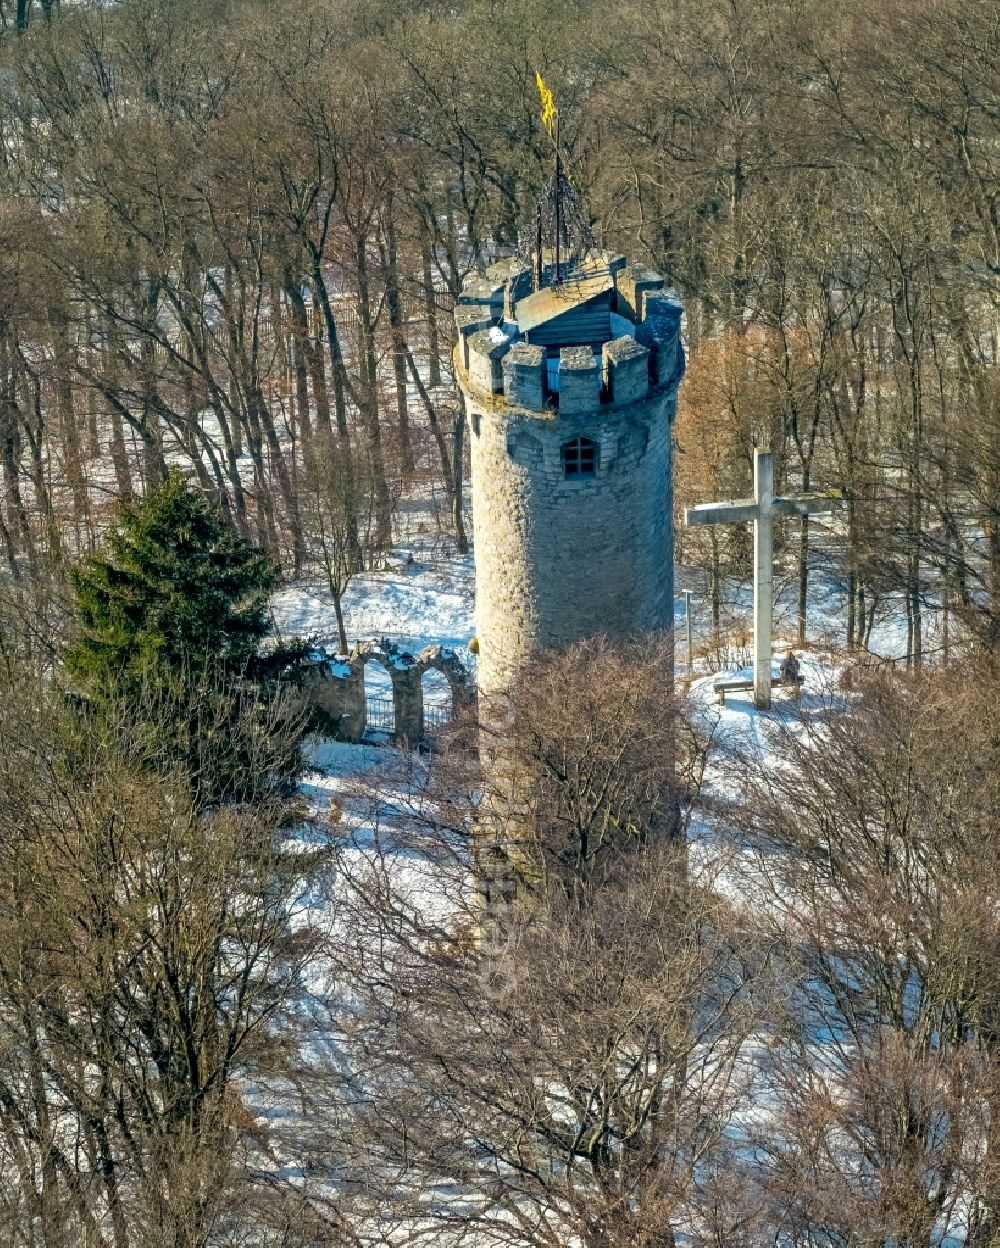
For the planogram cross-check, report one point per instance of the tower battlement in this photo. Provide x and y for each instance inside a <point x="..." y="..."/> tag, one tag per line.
<point x="606" y="335"/>
<point x="570" y="391"/>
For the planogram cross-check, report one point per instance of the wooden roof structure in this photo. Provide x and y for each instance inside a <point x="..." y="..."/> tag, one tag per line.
<point x="576" y="312"/>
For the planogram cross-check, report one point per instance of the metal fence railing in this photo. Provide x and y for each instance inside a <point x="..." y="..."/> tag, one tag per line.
<point x="380" y="713"/>
<point x="435" y="718"/>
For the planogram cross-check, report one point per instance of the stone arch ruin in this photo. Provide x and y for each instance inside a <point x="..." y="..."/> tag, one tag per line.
<point x="336" y="688"/>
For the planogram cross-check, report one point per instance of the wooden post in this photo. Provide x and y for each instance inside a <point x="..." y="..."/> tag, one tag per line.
<point x="687" y="623"/>
<point x="538" y="249"/>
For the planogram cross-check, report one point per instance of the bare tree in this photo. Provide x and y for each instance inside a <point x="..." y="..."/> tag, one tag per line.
<point x="152" y="954"/>
<point x="869" y="846"/>
<point x="339" y="501"/>
<point x="577" y="1081"/>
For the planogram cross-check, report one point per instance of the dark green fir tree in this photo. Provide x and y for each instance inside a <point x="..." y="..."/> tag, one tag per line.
<point x="171" y="617"/>
<point x="175" y="589"/>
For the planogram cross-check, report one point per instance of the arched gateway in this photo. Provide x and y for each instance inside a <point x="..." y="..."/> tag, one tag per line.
<point x="337" y="688"/>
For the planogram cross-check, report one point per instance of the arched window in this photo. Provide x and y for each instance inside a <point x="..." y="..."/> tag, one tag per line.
<point x="579" y="457"/>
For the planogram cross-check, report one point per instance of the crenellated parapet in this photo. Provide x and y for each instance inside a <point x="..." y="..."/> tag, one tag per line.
<point x="607" y="334"/>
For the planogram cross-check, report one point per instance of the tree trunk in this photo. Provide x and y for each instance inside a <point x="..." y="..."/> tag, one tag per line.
<point x="400" y="350"/>
<point x="280" y="468"/>
<point x="306" y="364"/>
<point x="340" y="405"/>
<point x="458" y="489"/>
<point x="430" y="309"/>
<point x="34" y="430"/>
<point x="10" y="453"/>
<point x="311" y="338"/>
<point x="8" y="545"/>
<point x="369" y="400"/>
<point x="451" y="466"/>
<point x="69" y="432"/>
<point x="715" y="588"/>
<point x="803" y="578"/>
<point x="154" y="465"/>
<point x="338" y="372"/>
<point x="852" y="589"/>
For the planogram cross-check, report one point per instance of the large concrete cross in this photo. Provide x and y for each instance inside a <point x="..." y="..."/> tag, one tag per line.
<point x="762" y="509"/>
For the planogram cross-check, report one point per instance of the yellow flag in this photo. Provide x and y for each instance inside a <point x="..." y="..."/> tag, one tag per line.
<point x="548" y="107"/>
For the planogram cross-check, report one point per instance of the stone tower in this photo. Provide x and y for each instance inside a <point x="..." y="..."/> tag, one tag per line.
<point x="570" y="392"/>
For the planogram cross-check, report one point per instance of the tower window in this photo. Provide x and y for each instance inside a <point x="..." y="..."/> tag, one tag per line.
<point x="579" y="457"/>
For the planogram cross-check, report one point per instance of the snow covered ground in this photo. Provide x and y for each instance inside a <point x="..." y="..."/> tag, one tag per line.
<point x="417" y="601"/>
<point x="423" y="598"/>
<point x="427" y="598"/>
<point x="826" y="615"/>
<point x="413" y="604"/>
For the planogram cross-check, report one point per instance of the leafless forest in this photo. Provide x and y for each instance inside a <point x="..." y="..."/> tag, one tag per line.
<point x="231" y="237"/>
<point x="232" y="234"/>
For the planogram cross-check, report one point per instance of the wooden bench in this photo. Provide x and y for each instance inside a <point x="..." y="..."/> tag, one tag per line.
<point x="734" y="684"/>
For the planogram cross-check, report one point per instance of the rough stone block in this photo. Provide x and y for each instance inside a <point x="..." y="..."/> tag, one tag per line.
<point x="486" y="352"/>
<point x="524" y="376"/>
<point x="469" y="320"/>
<point x="503" y="269"/>
<point x="598" y="259"/>
<point x="483" y="290"/>
<point x="631" y="283"/>
<point x="407" y="704"/>
<point x="579" y="389"/>
<point x="660" y="330"/>
<point x="633" y="442"/>
<point x="517" y="287"/>
<point x="337" y="691"/>
<point x="664" y="305"/>
<point x="525" y="449"/>
<point x="626" y="370"/>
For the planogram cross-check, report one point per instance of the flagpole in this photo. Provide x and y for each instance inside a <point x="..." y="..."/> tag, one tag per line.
<point x="558" y="196"/>
<point x="538" y="248"/>
<point x="550" y="120"/>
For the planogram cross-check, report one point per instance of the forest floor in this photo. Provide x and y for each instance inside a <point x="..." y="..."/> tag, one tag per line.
<point x="425" y="596"/>
<point x="422" y="598"/>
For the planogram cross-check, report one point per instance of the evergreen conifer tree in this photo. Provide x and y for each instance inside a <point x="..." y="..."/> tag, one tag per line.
<point x="171" y="617"/>
<point x="175" y="590"/>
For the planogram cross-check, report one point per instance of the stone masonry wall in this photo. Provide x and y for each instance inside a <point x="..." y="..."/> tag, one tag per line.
<point x="335" y="688"/>
<point x="560" y="559"/>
